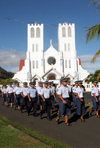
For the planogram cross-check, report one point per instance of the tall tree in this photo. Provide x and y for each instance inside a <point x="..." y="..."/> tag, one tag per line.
<point x="94" y="31"/>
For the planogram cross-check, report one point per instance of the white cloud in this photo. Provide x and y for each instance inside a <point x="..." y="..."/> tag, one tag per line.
<point x="10" y="58"/>
<point x="86" y="62"/>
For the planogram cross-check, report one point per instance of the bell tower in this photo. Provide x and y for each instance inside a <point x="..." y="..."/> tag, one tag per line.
<point x="66" y="47"/>
<point x="35" y="46"/>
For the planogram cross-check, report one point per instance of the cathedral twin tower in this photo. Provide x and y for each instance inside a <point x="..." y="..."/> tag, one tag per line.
<point x="50" y="64"/>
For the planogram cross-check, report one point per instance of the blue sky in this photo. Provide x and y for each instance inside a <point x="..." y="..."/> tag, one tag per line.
<point x="13" y="33"/>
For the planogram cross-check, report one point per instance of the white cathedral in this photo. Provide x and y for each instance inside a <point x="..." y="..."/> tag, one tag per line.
<point x="51" y="64"/>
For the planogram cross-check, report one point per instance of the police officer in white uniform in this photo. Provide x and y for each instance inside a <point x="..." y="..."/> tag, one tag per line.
<point x="95" y="99"/>
<point x="74" y="90"/>
<point x="32" y="96"/>
<point x="24" y="97"/>
<point x="17" y="95"/>
<point x="40" y="101"/>
<point x="53" y="96"/>
<point x="80" y="101"/>
<point x="65" y="104"/>
<point x="10" y="95"/>
<point x="46" y="95"/>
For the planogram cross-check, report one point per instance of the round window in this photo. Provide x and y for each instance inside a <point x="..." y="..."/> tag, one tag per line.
<point x="51" y="61"/>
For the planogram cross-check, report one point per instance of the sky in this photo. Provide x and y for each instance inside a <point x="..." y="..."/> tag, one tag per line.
<point x="16" y="14"/>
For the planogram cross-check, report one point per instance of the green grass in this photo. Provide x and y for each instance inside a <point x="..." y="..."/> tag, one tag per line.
<point x="90" y="105"/>
<point x="11" y="134"/>
<point x="11" y="137"/>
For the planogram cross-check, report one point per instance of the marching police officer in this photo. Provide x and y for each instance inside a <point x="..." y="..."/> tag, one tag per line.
<point x="45" y="95"/>
<point x="32" y="96"/>
<point x="10" y="95"/>
<point x="24" y="97"/>
<point x="95" y="99"/>
<point x="80" y="101"/>
<point x="65" y="104"/>
<point x="53" y="97"/>
<point x="74" y="90"/>
<point x="17" y="95"/>
<point x="40" y="101"/>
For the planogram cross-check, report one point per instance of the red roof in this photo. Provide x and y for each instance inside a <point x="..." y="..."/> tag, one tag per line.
<point x="22" y="63"/>
<point x="80" y="62"/>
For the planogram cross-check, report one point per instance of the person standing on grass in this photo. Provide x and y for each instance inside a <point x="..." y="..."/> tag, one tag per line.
<point x="65" y="104"/>
<point x="32" y="96"/>
<point x="95" y="99"/>
<point x="17" y="95"/>
<point x="10" y="95"/>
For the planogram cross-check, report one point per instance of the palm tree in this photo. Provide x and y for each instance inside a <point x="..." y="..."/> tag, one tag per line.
<point x="94" y="31"/>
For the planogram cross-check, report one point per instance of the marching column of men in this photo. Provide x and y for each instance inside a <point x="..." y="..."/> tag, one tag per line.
<point x="44" y="96"/>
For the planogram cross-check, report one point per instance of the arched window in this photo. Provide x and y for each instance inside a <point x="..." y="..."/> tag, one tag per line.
<point x="69" y="31"/>
<point x="65" y="46"/>
<point x="68" y="46"/>
<point x="36" y="64"/>
<point x="65" y="63"/>
<point x="33" y="47"/>
<point x="33" y="64"/>
<point x="36" y="47"/>
<point x="32" y="33"/>
<point x="63" y="32"/>
<point x="38" y="32"/>
<point x="69" y="63"/>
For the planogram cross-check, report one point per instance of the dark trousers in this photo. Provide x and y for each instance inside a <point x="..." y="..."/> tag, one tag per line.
<point x="17" y="100"/>
<point x="24" y="103"/>
<point x="4" y="98"/>
<point x="47" y="107"/>
<point x="32" y="104"/>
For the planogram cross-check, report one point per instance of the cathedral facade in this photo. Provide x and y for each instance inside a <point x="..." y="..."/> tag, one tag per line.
<point x="50" y="64"/>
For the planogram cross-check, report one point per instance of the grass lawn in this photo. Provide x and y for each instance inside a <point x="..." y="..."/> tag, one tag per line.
<point x="14" y="135"/>
<point x="11" y="137"/>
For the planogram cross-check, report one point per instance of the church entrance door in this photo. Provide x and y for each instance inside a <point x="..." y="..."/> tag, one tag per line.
<point x="51" y="77"/>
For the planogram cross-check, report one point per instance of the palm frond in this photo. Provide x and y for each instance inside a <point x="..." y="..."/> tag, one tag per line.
<point x="93" y="32"/>
<point x="95" y="56"/>
<point x="96" y="3"/>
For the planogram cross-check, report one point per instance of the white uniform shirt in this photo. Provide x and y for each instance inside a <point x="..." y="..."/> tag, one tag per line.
<point x="39" y="90"/>
<point x="46" y="92"/>
<point x="95" y="90"/>
<point x="69" y="88"/>
<point x="10" y="90"/>
<point x="74" y="89"/>
<point x="4" y="90"/>
<point x="24" y="90"/>
<point x="53" y="88"/>
<point x="32" y="92"/>
<point x="64" y="91"/>
<point x="17" y="90"/>
<point x="80" y="91"/>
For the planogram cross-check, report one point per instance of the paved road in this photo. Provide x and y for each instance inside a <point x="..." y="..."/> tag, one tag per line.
<point x="78" y="135"/>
